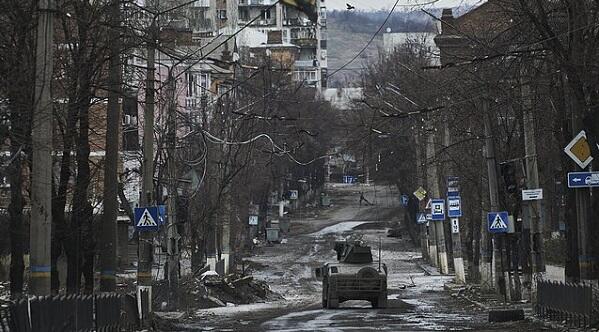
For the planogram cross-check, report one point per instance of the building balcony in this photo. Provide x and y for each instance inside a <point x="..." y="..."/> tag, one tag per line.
<point x="304" y="64"/>
<point x="310" y="77"/>
<point x="305" y="42"/>
<point x="202" y="3"/>
<point x="257" y="2"/>
<point x="297" y="22"/>
<point x="262" y="23"/>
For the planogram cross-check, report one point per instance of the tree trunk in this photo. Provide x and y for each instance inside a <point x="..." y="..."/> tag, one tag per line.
<point x="17" y="227"/>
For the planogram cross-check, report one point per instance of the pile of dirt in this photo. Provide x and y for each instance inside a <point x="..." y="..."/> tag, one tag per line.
<point x="211" y="290"/>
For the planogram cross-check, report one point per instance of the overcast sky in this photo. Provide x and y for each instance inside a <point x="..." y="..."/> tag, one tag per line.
<point x="386" y="4"/>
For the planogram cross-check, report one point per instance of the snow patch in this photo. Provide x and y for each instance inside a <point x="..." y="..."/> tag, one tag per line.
<point x="339" y="228"/>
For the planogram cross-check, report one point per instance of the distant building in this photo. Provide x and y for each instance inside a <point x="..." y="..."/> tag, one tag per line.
<point x="210" y="19"/>
<point x="343" y="98"/>
<point x="417" y="41"/>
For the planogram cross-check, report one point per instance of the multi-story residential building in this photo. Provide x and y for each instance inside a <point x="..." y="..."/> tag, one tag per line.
<point x="296" y="28"/>
<point x="210" y="19"/>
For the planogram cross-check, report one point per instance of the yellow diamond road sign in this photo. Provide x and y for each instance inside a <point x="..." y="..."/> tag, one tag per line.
<point x="420" y="193"/>
<point x="579" y="150"/>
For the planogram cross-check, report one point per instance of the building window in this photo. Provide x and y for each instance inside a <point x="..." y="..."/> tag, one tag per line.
<point x="198" y="83"/>
<point x="222" y="14"/>
<point x="244" y="14"/>
<point x="265" y="14"/>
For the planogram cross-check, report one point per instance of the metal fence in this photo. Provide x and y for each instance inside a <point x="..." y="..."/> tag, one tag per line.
<point x="103" y="313"/>
<point x="568" y="302"/>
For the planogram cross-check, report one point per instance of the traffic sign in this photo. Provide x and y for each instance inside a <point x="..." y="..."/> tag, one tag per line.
<point x="253" y="220"/>
<point x="455" y="225"/>
<point x="532" y="194"/>
<point x="420" y="193"/>
<point x="438" y="209"/>
<point x="498" y="222"/>
<point x="146" y="219"/>
<point x="421" y="218"/>
<point x="579" y="150"/>
<point x="454" y="207"/>
<point x="583" y="179"/>
<point x="405" y="200"/>
<point x="453" y="186"/>
<point x="293" y="194"/>
<point x="162" y="215"/>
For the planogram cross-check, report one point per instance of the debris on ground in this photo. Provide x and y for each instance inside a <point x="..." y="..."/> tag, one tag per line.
<point x="212" y="290"/>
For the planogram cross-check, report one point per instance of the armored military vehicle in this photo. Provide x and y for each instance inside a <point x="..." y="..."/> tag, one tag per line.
<point x="353" y="277"/>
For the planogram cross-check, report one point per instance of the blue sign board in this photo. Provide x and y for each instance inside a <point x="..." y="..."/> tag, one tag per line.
<point x="583" y="179"/>
<point x="405" y="200"/>
<point x="162" y="215"/>
<point x="454" y="207"/>
<point x="421" y="218"/>
<point x="146" y="219"/>
<point x="438" y="209"/>
<point x="453" y="186"/>
<point x="349" y="179"/>
<point x="498" y="222"/>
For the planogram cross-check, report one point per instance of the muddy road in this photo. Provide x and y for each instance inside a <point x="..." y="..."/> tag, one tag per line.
<point x="417" y="300"/>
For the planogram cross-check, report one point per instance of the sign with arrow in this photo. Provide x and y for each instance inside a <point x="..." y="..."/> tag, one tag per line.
<point x="498" y="222"/>
<point x="579" y="150"/>
<point x="146" y="219"/>
<point x="583" y="179"/>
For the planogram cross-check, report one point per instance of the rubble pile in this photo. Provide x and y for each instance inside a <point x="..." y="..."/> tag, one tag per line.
<point x="212" y="290"/>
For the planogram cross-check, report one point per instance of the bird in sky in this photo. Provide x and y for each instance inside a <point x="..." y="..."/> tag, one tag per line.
<point x="350" y="7"/>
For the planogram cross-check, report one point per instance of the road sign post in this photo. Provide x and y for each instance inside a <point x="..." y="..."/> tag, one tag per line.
<point x="438" y="209"/>
<point x="532" y="194"/>
<point x="147" y="219"/>
<point x="405" y="200"/>
<point x="498" y="222"/>
<point x="579" y="150"/>
<point x="420" y="193"/>
<point x="454" y="207"/>
<point x="583" y="179"/>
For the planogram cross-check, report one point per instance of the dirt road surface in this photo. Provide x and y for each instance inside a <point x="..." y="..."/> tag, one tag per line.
<point x="417" y="300"/>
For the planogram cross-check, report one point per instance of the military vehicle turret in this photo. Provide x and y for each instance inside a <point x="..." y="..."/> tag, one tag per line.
<point x="354" y="276"/>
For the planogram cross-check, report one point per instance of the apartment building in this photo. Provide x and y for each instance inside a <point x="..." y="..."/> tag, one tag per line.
<point x="209" y="19"/>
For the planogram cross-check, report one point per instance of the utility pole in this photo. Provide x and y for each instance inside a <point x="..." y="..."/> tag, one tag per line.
<point x="144" y="266"/>
<point x="41" y="184"/>
<point x="108" y="235"/>
<point x="458" y="260"/>
<point x="172" y="233"/>
<point x="486" y="272"/>
<point x="432" y="174"/>
<point x="532" y="182"/>
<point x="420" y="177"/>
<point x="583" y="200"/>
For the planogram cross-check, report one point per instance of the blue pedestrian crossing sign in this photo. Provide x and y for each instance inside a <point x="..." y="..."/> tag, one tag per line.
<point x="421" y="218"/>
<point x="438" y="209"/>
<point x="146" y="219"/>
<point x="498" y="222"/>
